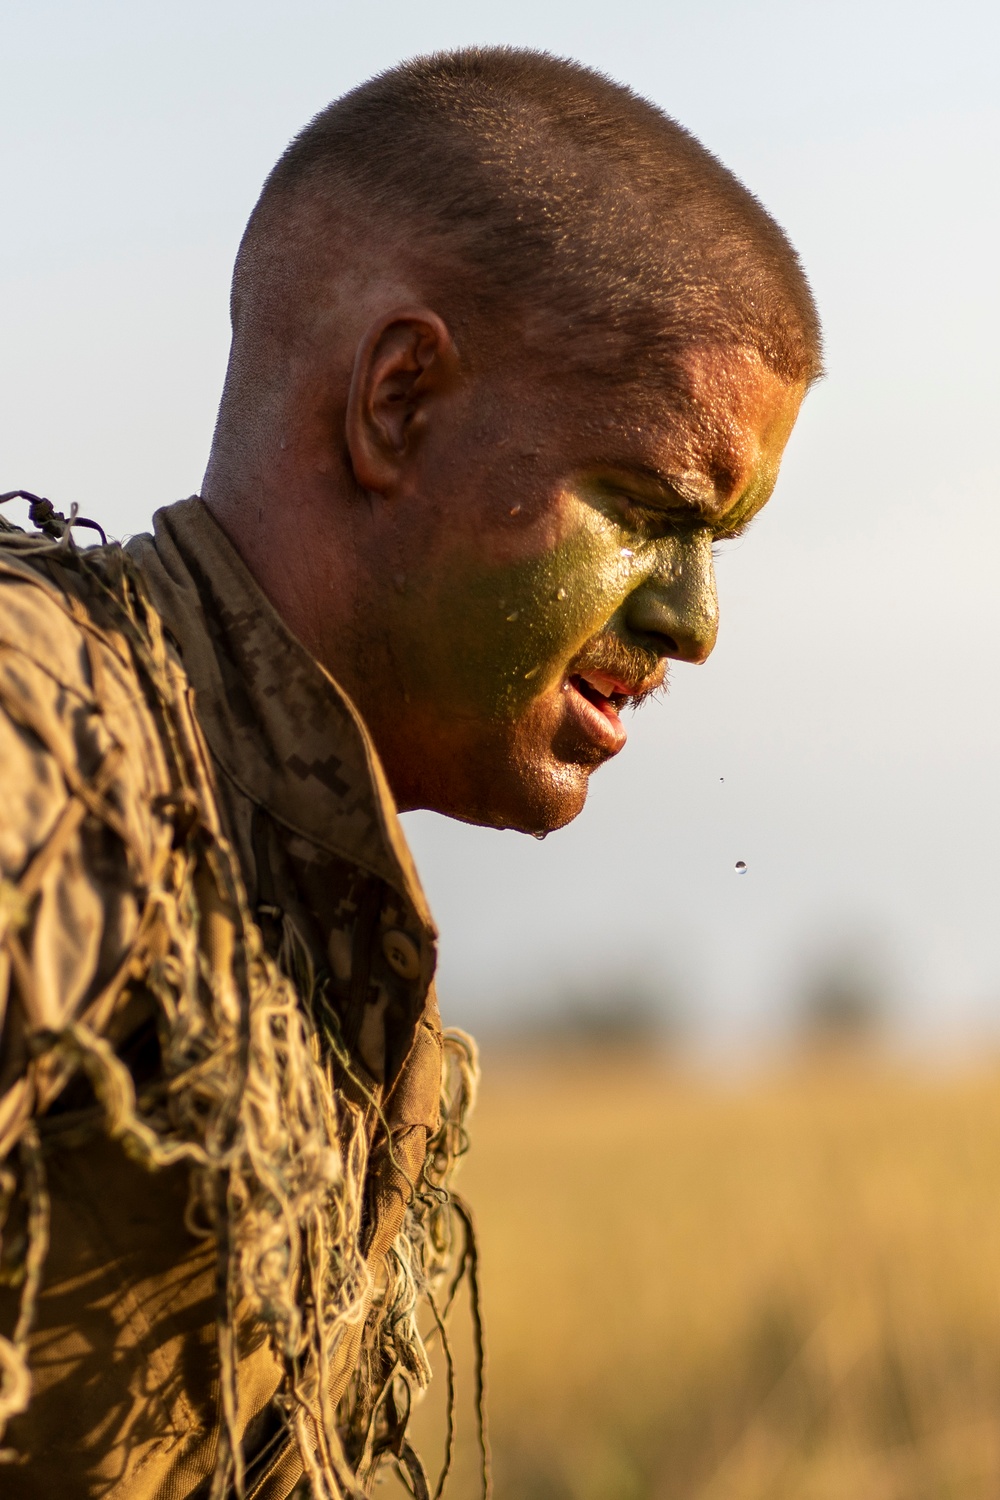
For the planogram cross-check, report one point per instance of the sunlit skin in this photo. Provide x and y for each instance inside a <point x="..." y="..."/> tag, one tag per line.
<point x="493" y="562"/>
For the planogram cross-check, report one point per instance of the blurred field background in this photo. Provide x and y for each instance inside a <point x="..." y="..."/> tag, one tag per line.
<point x="782" y="1283"/>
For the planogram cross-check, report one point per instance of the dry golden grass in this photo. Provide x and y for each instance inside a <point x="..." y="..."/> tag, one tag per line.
<point x="787" y="1287"/>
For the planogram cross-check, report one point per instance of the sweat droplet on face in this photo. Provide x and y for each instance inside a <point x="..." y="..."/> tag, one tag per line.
<point x="559" y="595"/>
<point x="512" y="617"/>
<point x="741" y="867"/>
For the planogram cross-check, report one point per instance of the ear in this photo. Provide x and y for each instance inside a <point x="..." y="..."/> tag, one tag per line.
<point x="405" y="362"/>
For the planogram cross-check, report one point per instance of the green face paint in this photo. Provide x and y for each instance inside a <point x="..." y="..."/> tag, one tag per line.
<point x="561" y="556"/>
<point x="513" y="628"/>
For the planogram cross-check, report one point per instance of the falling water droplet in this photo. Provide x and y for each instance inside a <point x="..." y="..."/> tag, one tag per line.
<point x="541" y="834"/>
<point x="741" y="867"/>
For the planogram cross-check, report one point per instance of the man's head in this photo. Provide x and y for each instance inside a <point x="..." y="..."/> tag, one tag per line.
<point x="511" y="351"/>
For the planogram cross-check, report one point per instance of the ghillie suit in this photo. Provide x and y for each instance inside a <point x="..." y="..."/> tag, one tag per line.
<point x="215" y="962"/>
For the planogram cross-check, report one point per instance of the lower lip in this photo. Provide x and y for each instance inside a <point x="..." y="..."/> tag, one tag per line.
<point x="602" y="725"/>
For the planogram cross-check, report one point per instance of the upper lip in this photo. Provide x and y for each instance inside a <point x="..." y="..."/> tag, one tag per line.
<point x="617" y="689"/>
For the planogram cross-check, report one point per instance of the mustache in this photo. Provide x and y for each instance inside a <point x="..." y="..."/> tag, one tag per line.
<point x="642" y="669"/>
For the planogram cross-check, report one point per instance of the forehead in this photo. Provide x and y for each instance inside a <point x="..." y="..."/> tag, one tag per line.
<point x="709" y="426"/>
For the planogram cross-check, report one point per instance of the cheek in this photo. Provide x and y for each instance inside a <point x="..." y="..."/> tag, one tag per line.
<point x="507" y="633"/>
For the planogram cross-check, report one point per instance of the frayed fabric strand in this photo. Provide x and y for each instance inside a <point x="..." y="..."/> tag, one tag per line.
<point x="249" y="1099"/>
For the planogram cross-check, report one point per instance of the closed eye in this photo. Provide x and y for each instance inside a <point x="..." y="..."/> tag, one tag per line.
<point x="731" y="535"/>
<point x="656" y="518"/>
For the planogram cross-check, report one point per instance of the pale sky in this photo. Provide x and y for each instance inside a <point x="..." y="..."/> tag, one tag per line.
<point x="843" y="739"/>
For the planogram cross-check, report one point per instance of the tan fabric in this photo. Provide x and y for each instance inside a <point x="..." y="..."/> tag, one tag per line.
<point x="123" y="1356"/>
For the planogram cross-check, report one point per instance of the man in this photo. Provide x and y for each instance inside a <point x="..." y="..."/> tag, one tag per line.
<point x="511" y="352"/>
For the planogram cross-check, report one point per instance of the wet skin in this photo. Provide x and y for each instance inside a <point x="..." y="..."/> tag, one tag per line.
<point x="575" y="562"/>
<point x="493" y="558"/>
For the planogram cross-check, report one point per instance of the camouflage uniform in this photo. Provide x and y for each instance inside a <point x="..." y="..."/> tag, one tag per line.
<point x="215" y="961"/>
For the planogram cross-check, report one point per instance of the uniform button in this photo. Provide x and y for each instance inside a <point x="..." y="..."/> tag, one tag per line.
<point x="402" y="953"/>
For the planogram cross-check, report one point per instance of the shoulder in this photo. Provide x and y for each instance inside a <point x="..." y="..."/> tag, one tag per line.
<point x="66" y="656"/>
<point x="37" y="623"/>
<point x="76" y="720"/>
<point x="85" y="768"/>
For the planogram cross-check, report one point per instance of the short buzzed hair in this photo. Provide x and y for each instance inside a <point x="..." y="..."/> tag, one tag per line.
<point x="553" y="191"/>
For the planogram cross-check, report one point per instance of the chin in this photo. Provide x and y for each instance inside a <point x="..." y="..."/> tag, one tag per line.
<point x="526" y="778"/>
<point x="535" y="800"/>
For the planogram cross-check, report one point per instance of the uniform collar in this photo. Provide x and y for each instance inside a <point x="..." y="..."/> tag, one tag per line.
<point x="277" y="723"/>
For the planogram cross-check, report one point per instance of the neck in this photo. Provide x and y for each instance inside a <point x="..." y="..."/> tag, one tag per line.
<point x="290" y="525"/>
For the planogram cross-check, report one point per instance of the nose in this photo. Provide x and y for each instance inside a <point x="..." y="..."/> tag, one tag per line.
<point x="676" y="607"/>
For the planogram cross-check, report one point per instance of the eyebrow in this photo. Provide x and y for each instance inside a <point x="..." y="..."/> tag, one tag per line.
<point x="672" y="487"/>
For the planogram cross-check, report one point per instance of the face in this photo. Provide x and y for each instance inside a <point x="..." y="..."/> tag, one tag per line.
<point x="560" y="557"/>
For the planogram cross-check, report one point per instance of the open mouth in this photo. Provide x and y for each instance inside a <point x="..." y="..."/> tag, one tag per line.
<point x="603" y="692"/>
<point x="597" y="700"/>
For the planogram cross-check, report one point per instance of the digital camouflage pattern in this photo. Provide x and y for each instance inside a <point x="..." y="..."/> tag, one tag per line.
<point x="216" y="962"/>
